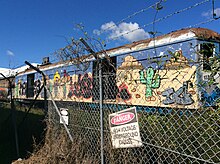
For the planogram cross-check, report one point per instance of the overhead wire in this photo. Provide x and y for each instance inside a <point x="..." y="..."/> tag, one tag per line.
<point x="129" y="17"/>
<point x="155" y="20"/>
<point x="203" y="22"/>
<point x="158" y="20"/>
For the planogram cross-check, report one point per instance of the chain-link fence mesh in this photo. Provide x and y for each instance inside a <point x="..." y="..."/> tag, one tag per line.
<point x="173" y="83"/>
<point x="173" y="127"/>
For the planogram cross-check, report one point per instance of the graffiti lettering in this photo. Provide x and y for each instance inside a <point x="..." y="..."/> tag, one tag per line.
<point x="181" y="96"/>
<point x="81" y="88"/>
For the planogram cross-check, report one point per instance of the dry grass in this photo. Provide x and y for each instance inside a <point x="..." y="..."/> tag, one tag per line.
<point x="57" y="148"/>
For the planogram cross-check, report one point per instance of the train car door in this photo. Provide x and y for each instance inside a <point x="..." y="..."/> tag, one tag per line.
<point x="30" y="85"/>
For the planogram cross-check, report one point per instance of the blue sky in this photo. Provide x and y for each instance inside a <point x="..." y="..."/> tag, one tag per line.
<point x="33" y="29"/>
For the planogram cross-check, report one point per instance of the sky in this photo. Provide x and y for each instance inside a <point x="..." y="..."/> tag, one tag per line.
<point x="33" y="29"/>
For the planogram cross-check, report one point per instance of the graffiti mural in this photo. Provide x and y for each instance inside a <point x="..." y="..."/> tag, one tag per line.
<point x="211" y="99"/>
<point x="123" y="92"/>
<point x="138" y="82"/>
<point x="162" y="83"/>
<point x="56" y="83"/>
<point x="142" y="76"/>
<point x="180" y="96"/>
<point x="210" y="88"/>
<point x="81" y="88"/>
<point x="64" y="80"/>
<point x="151" y="81"/>
<point x="3" y="93"/>
<point x="177" y="61"/>
<point x="128" y="80"/>
<point x="22" y="88"/>
<point x="37" y="86"/>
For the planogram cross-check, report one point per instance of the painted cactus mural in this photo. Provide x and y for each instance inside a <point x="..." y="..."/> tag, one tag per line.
<point x="151" y="80"/>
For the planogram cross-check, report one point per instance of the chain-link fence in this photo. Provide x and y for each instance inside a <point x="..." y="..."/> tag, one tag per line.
<point x="174" y="127"/>
<point x="157" y="98"/>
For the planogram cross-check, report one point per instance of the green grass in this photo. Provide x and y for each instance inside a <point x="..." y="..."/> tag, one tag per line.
<point x="32" y="127"/>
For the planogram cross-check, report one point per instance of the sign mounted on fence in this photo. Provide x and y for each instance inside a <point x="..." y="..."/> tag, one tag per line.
<point x="64" y="114"/>
<point x="124" y="129"/>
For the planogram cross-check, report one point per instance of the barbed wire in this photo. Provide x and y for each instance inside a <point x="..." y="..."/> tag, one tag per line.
<point x="158" y="20"/>
<point x="204" y="22"/>
<point x="130" y="16"/>
<point x="151" y="23"/>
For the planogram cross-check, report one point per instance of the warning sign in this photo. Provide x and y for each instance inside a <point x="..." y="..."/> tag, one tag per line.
<point x="125" y="129"/>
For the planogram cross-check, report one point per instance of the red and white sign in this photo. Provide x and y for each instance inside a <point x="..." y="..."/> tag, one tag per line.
<point x="125" y="129"/>
<point x="122" y="118"/>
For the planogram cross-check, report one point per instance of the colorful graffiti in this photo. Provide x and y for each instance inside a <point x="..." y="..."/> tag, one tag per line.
<point x="81" y="88"/>
<point x="123" y="92"/>
<point x="37" y="86"/>
<point x="56" y="83"/>
<point x="177" y="61"/>
<point x="22" y="88"/>
<point x="151" y="80"/>
<point x="211" y="99"/>
<point x="180" y="96"/>
<point x="64" y="80"/>
<point x="136" y="82"/>
<point x="3" y="93"/>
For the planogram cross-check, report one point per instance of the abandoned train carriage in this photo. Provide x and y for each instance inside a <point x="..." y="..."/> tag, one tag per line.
<point x="176" y="70"/>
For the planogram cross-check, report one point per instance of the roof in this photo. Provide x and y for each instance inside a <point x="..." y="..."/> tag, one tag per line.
<point x="172" y="37"/>
<point x="12" y="72"/>
<point x="6" y="72"/>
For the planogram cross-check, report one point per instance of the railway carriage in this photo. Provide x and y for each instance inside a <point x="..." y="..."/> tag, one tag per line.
<point x="175" y="70"/>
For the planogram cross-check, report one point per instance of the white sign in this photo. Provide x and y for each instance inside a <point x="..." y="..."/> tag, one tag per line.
<point x="64" y="114"/>
<point x="124" y="129"/>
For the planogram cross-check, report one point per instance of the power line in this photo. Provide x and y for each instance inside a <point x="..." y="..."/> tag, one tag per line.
<point x="158" y="20"/>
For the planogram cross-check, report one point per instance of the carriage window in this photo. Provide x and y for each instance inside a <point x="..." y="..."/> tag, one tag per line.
<point x="207" y="50"/>
<point x="30" y="85"/>
<point x="108" y="79"/>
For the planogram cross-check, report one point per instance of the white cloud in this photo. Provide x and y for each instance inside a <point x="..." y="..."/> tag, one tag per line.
<point x="217" y="12"/>
<point x="9" y="53"/>
<point x="209" y="13"/>
<point x="123" y="31"/>
<point x="109" y="26"/>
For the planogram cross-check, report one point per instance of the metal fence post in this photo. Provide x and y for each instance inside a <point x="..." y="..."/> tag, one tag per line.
<point x="58" y="112"/>
<point x="14" y="123"/>
<point x="101" y="111"/>
<point x="89" y="49"/>
<point x="44" y="83"/>
<point x="13" y="114"/>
